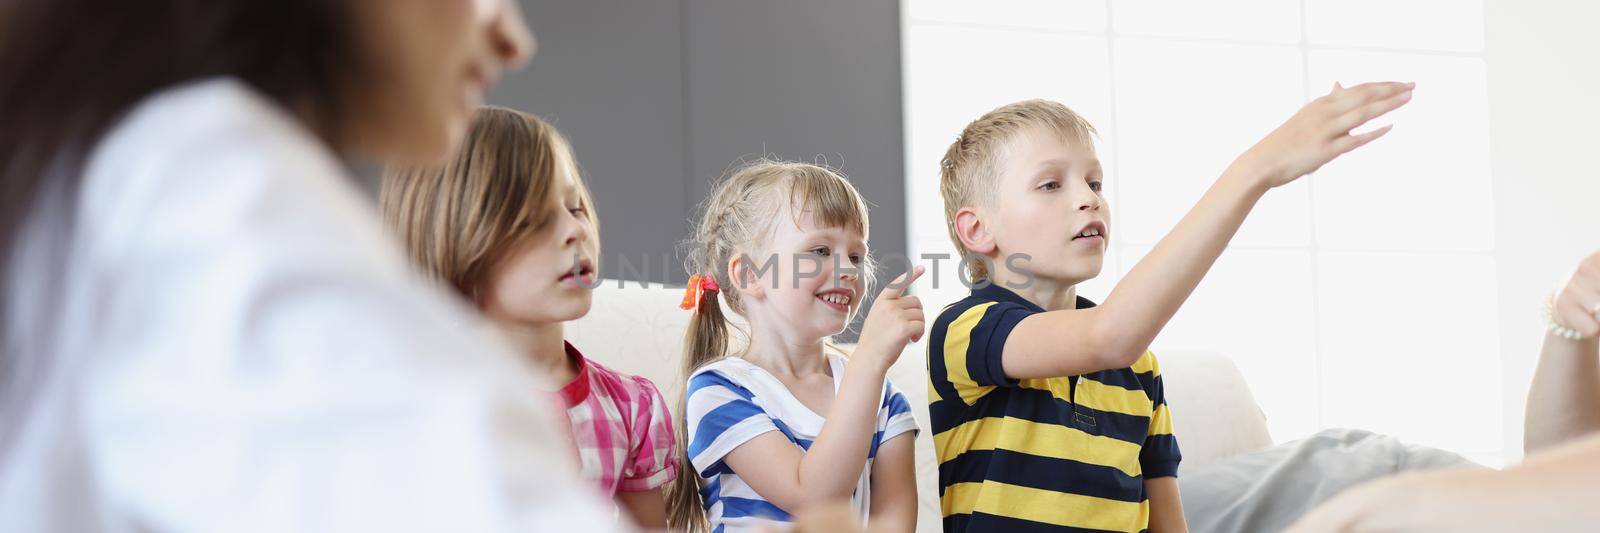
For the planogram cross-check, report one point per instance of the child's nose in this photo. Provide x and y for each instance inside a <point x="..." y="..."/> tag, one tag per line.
<point x="846" y="278"/>
<point x="577" y="232"/>
<point x="1089" y="202"/>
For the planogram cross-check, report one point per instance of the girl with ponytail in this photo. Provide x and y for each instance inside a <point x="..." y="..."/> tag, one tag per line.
<point x="783" y="419"/>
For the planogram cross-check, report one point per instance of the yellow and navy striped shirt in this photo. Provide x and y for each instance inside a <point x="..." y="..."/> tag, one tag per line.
<point x="1061" y="454"/>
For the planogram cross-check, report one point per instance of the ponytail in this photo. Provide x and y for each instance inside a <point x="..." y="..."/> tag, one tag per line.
<point x="705" y="341"/>
<point x="738" y="213"/>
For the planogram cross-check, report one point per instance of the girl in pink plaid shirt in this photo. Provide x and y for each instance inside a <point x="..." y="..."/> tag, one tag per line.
<point x="508" y="223"/>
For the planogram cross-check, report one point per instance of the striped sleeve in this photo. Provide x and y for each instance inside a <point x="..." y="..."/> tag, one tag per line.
<point x="1160" y="455"/>
<point x="721" y="415"/>
<point x="894" y="418"/>
<point x="971" y="342"/>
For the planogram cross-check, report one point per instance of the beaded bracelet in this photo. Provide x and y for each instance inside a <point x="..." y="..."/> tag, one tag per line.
<point x="1556" y="326"/>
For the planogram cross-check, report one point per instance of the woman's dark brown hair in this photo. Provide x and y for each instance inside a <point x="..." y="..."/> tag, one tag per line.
<point x="69" y="69"/>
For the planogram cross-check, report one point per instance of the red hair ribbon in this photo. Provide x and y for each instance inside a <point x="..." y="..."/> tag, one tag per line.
<point x="698" y="286"/>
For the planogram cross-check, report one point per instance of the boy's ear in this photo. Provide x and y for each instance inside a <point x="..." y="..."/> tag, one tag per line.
<point x="973" y="233"/>
<point x="744" y="279"/>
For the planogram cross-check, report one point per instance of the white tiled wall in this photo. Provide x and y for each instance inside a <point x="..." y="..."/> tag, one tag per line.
<point x="1443" y="25"/>
<point x="1250" y="20"/>
<point x="1409" y="347"/>
<point x="1332" y="296"/>
<point x="1426" y="185"/>
<point x="1184" y="111"/>
<point x="1061" y="15"/>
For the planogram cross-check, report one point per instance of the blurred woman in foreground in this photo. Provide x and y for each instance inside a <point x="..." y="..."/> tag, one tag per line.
<point x="204" y="326"/>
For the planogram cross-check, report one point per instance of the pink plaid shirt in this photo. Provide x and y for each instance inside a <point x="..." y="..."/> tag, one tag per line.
<point x="621" y="427"/>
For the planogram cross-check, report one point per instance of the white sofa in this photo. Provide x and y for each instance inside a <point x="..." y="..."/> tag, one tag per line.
<point x="639" y="330"/>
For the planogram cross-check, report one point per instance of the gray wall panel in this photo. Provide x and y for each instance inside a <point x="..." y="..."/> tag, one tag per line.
<point x="661" y="96"/>
<point x="609" y="73"/>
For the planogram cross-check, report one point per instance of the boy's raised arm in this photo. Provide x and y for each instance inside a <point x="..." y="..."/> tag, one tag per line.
<point x="1117" y="332"/>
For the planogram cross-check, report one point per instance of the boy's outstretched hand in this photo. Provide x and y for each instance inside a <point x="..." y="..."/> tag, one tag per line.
<point x="1320" y="131"/>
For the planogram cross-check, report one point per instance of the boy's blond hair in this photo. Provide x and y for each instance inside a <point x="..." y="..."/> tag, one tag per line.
<point x="969" y="174"/>
<point x="460" y="218"/>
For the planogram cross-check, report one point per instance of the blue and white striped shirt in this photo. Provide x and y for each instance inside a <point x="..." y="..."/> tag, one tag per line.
<point x="731" y="401"/>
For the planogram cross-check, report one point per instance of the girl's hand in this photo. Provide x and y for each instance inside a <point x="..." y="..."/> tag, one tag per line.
<point x="1579" y="298"/>
<point x="1320" y="131"/>
<point x="894" y="321"/>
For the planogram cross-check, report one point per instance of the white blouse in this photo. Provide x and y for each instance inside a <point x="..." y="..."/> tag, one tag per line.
<point x="234" y="344"/>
